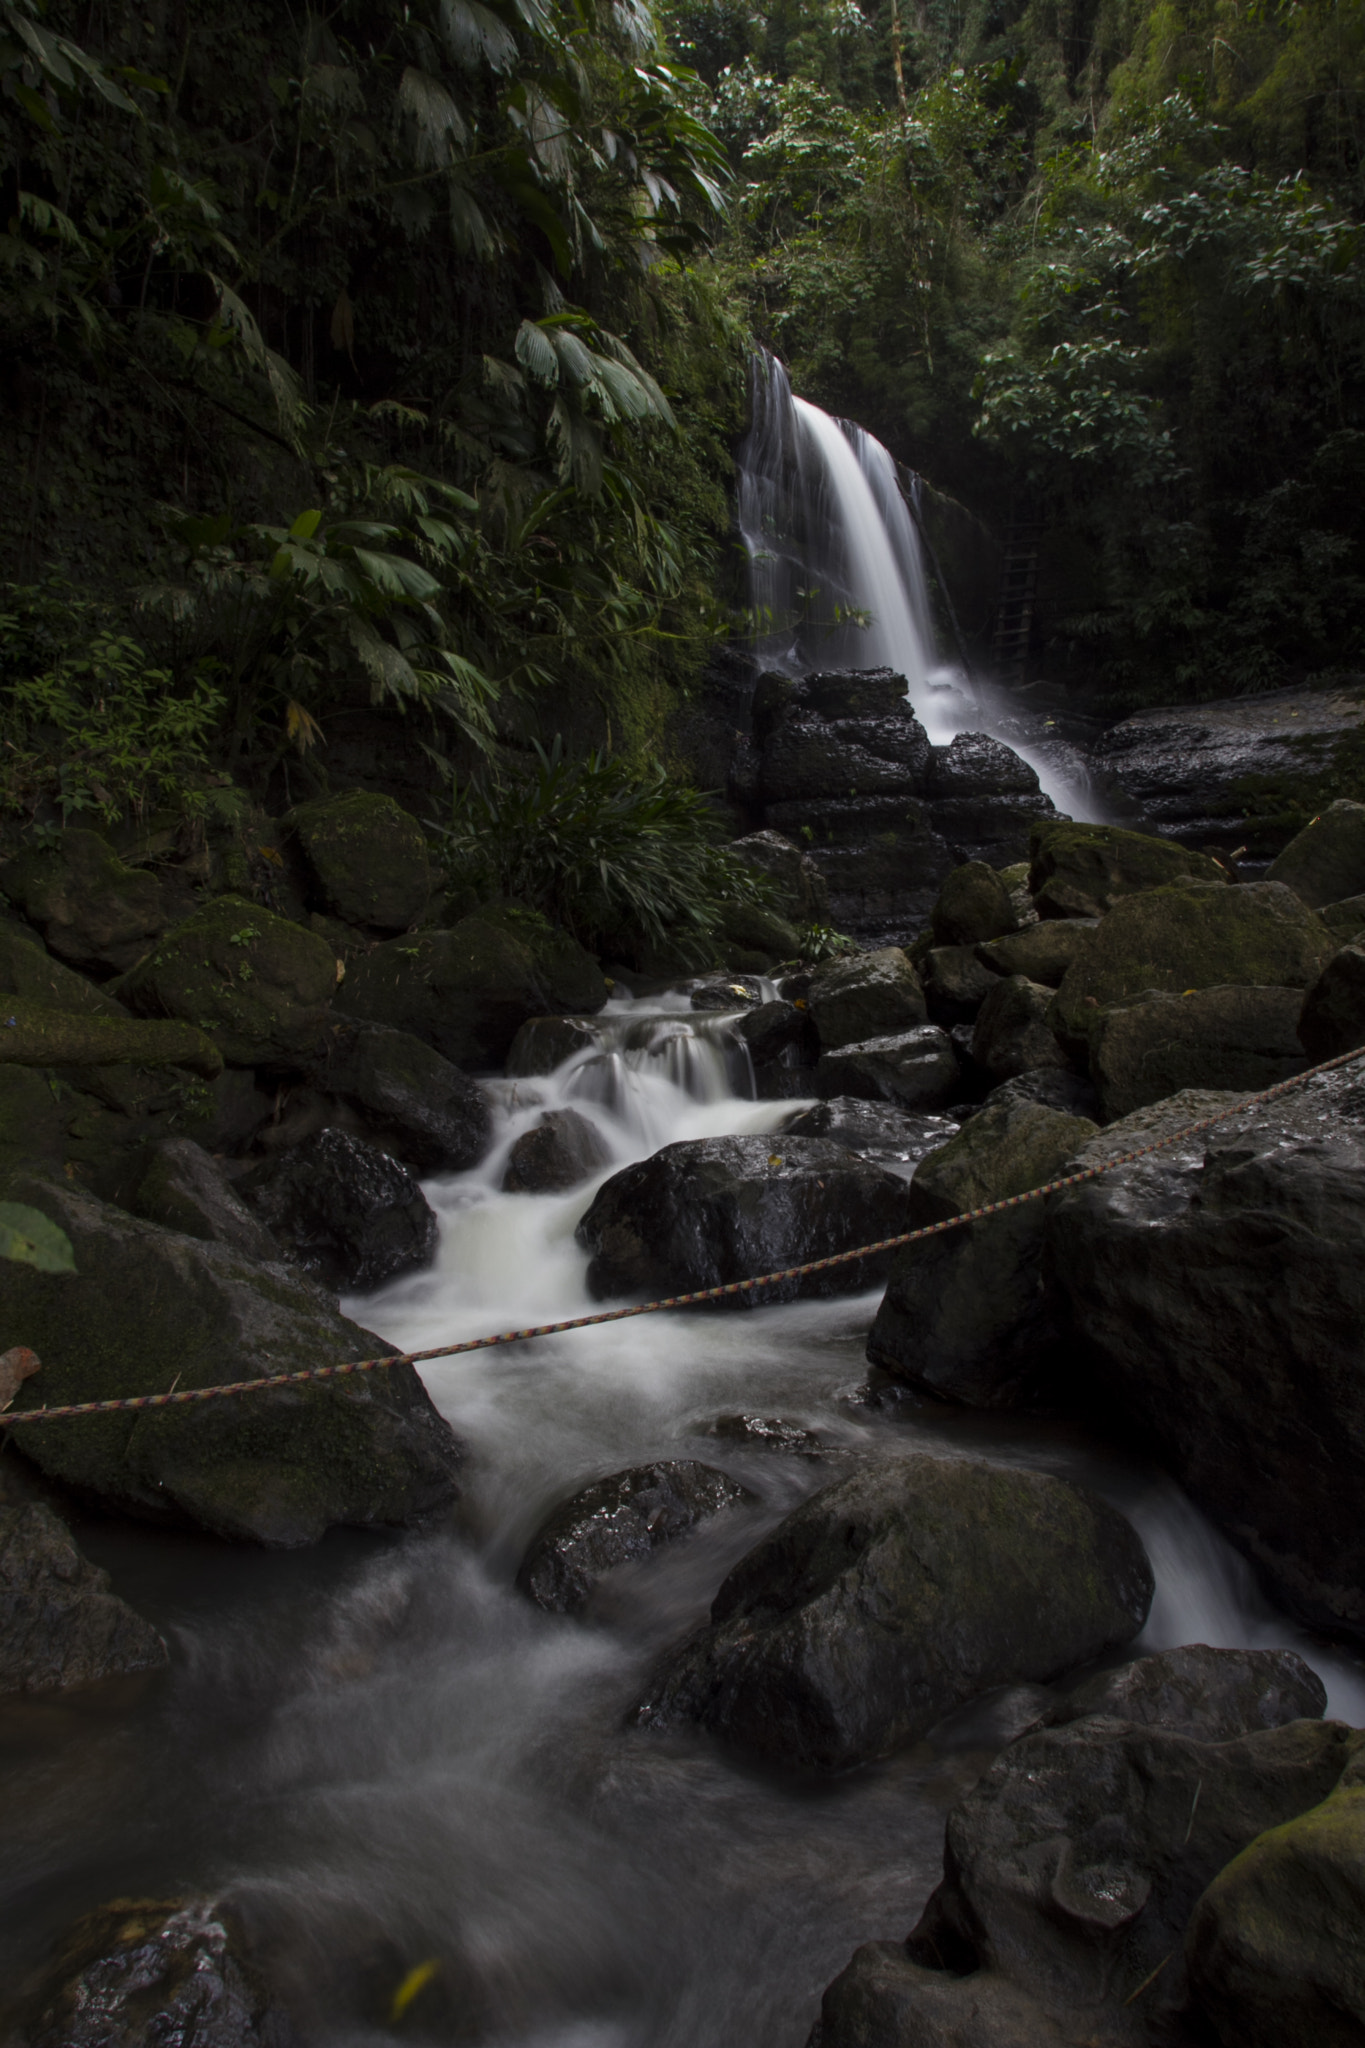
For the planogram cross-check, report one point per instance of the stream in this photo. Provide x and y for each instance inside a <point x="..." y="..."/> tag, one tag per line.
<point x="390" y="1762"/>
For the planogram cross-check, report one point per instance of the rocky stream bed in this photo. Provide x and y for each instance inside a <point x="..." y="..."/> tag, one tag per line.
<point x="960" y="1646"/>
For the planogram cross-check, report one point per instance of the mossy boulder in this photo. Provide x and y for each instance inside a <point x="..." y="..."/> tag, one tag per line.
<point x="1326" y="861"/>
<point x="867" y="995"/>
<point x="899" y="1593"/>
<point x="26" y="970"/>
<point x="257" y="984"/>
<point x="1345" y="920"/>
<point x="35" y="1035"/>
<point x="1191" y="935"/>
<point x="1274" y="1949"/>
<point x="365" y="860"/>
<point x="148" y="1309"/>
<point x="1237" y="1038"/>
<point x="92" y="911"/>
<point x="1332" y="1020"/>
<point x="468" y="991"/>
<point x="1042" y="951"/>
<point x="757" y="929"/>
<point x="183" y="1188"/>
<point x="973" y="904"/>
<point x="1013" y="1034"/>
<point x="1083" y="870"/>
<point x="573" y="981"/>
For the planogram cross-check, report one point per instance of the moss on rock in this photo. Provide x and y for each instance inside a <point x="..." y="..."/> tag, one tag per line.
<point x="26" y="970"/>
<point x="35" y="1035"/>
<point x="258" y="985"/>
<point x="365" y="859"/>
<point x="1083" y="870"/>
<point x="92" y="910"/>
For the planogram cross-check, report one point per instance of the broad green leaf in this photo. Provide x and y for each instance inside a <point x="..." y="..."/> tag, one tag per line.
<point x="31" y="1239"/>
<point x="305" y="526"/>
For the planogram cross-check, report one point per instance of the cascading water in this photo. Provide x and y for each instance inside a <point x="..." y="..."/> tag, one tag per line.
<point x="837" y="576"/>
<point x="390" y="1762"/>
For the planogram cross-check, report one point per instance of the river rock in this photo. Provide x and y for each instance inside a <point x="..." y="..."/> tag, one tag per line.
<point x="896" y="1594"/>
<point x="414" y="1104"/>
<point x="713" y="1210"/>
<point x="27" y="971"/>
<point x="755" y="936"/>
<point x="544" y="1043"/>
<point x="777" y="1033"/>
<point x="257" y="984"/>
<point x="1212" y="1695"/>
<point x="1073" y="1866"/>
<point x="867" y="995"/>
<point x="184" y="1189"/>
<point x="1326" y="861"/>
<point x="92" y="911"/>
<point x="917" y="1070"/>
<point x="60" y="1626"/>
<point x="874" y="1130"/>
<point x="466" y="991"/>
<point x="364" y="859"/>
<point x="619" y="1520"/>
<point x="1219" y="1291"/>
<point x="556" y="1154"/>
<point x="802" y="894"/>
<point x="1345" y="920"/>
<point x="978" y="764"/>
<point x="343" y="1211"/>
<point x="1012" y="1035"/>
<point x="138" y="1972"/>
<point x="968" y="1316"/>
<point x="956" y="983"/>
<point x="276" y="1468"/>
<point x="724" y="992"/>
<point x="1273" y="1949"/>
<point x="1084" y="870"/>
<point x="883" y="2000"/>
<point x="1332" y="1020"/>
<point x="768" y="1433"/>
<point x="1043" y="952"/>
<point x="1194" y="935"/>
<point x="1245" y="1039"/>
<point x="973" y="904"/>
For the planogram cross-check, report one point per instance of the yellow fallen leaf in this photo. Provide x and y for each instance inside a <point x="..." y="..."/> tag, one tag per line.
<point x="774" y="1159"/>
<point x="416" y="1981"/>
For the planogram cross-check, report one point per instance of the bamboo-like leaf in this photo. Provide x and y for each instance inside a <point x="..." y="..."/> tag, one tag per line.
<point x="300" y="726"/>
<point x="438" y="125"/>
<point x="536" y="353"/>
<point x="473" y="32"/>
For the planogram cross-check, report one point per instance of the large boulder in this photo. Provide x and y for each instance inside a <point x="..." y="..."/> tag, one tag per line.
<point x="183" y="1188"/>
<point x="468" y="991"/>
<point x="1332" y="1020"/>
<point x="1012" y="1035"/>
<point x="916" y="1070"/>
<point x="257" y="984"/>
<point x="620" y="1520"/>
<point x="1043" y="951"/>
<point x="956" y="983"/>
<point x="1194" y="935"/>
<point x="974" y="904"/>
<point x="800" y="888"/>
<point x="837" y="735"/>
<point x="1210" y="1694"/>
<point x="867" y="995"/>
<point x="35" y="1035"/>
<point x="557" y="1153"/>
<point x="364" y="858"/>
<point x="27" y="971"/>
<point x="343" y="1211"/>
<point x="896" y="1594"/>
<point x="60" y="1626"/>
<point x="1084" y="870"/>
<point x="276" y="1468"/>
<point x="874" y="1130"/>
<point x="92" y="911"/>
<point x="883" y="2000"/>
<point x="1273" y="1949"/>
<point x="412" y="1102"/>
<point x="1245" y="1039"/>
<point x="967" y="1316"/>
<point x="714" y="1210"/>
<point x="140" y="1971"/>
<point x="1326" y="861"/>
<point x="1219" y="1290"/>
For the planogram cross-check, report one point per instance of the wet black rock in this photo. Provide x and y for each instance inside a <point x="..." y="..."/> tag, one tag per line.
<point x="544" y="1043"/>
<point x="956" y="984"/>
<point x="138" y="1972"/>
<point x="1012" y="1035"/>
<point x="1054" y="1087"/>
<point x="184" y="1189"/>
<point x="1238" y="1038"/>
<point x="768" y="1433"/>
<point x="343" y="1211"/>
<point x="619" y="1520"/>
<point x="275" y="1468"/>
<point x="975" y="764"/>
<point x="1212" y="1695"/>
<point x="874" y="1130"/>
<point x="1219" y="1290"/>
<point x="703" y="1213"/>
<point x="897" y="1594"/>
<point x="1345" y="920"/>
<point x="414" y="1104"/>
<point x="867" y="995"/>
<point x="728" y="992"/>
<point x="777" y="1033"/>
<point x="1332" y="1020"/>
<point x="60" y="1626"/>
<point x="917" y="1070"/>
<point x="1326" y="862"/>
<point x="556" y="1154"/>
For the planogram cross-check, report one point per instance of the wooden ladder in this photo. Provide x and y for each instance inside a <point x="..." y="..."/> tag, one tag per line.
<point x="1018" y="593"/>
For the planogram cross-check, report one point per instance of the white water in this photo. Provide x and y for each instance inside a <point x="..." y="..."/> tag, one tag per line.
<point x="830" y="540"/>
<point x="385" y="1756"/>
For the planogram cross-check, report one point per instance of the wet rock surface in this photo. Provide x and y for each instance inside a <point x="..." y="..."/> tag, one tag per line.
<point x="1251" y="1388"/>
<point x="768" y="1433"/>
<point x="896" y="1594"/>
<point x="1013" y="1034"/>
<point x="801" y="890"/>
<point x="619" y="1520"/>
<point x="274" y="1468"/>
<point x="137" y="1972"/>
<point x="1212" y="1695"/>
<point x="554" y="1155"/>
<point x="974" y="904"/>
<point x="869" y="995"/>
<point x="343" y="1211"/>
<point x="874" y="1130"/>
<point x="1326" y="861"/>
<point x="60" y="1626"/>
<point x="413" y="1103"/>
<point x="1043" y="951"/>
<point x="1245" y="1039"/>
<point x="956" y="983"/>
<point x="916" y="1071"/>
<point x="714" y="1210"/>
<point x="1332" y="1020"/>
